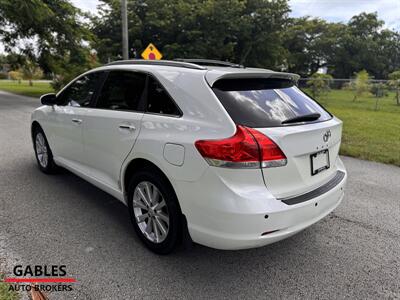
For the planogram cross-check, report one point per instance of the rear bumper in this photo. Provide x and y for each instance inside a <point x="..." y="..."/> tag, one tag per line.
<point x="238" y="220"/>
<point x="287" y="223"/>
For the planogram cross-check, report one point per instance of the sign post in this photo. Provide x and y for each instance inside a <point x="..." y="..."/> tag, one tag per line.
<point x="124" y="16"/>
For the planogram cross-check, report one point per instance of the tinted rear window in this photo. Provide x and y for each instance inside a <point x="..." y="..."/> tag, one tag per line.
<point x="265" y="102"/>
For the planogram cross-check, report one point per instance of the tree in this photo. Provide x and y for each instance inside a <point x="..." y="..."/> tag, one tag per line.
<point x="362" y="43"/>
<point x="319" y="84"/>
<point x="365" y="44"/>
<point x="361" y="84"/>
<point x="260" y="33"/>
<point x="13" y="60"/>
<point x="68" y="67"/>
<point x="30" y="71"/>
<point x="58" y="36"/>
<point x="378" y="89"/>
<point x="55" y="26"/>
<point x="310" y="44"/>
<point x="15" y="75"/>
<point x="248" y="32"/>
<point x="395" y="83"/>
<point x="55" y="23"/>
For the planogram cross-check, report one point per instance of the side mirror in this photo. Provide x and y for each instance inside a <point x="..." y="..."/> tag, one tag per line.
<point x="48" y="99"/>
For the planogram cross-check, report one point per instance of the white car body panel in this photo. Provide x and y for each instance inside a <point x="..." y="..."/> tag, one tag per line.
<point x="223" y="73"/>
<point x="298" y="143"/>
<point x="65" y="134"/>
<point x="233" y="215"/>
<point x="225" y="208"/>
<point x="103" y="156"/>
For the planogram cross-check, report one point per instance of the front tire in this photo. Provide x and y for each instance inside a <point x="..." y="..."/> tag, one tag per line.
<point x="43" y="152"/>
<point x="154" y="211"/>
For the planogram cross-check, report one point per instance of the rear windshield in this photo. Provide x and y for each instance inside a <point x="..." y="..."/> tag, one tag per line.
<point x="260" y="102"/>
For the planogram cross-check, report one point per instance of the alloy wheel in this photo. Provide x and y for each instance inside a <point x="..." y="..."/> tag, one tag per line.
<point x="151" y="212"/>
<point x="41" y="150"/>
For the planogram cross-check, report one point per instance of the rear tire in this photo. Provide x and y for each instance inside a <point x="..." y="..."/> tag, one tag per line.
<point x="44" y="156"/>
<point x="154" y="211"/>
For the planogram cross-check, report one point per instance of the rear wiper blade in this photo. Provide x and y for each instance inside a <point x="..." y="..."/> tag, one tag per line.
<point x="303" y="118"/>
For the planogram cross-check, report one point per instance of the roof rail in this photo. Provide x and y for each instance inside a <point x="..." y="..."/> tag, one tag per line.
<point x="209" y="62"/>
<point x="169" y="63"/>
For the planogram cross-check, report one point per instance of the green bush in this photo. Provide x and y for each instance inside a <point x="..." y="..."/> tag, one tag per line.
<point x="31" y="71"/>
<point x="319" y="84"/>
<point x="361" y="84"/>
<point x="379" y="90"/>
<point x="394" y="82"/>
<point x="15" y="75"/>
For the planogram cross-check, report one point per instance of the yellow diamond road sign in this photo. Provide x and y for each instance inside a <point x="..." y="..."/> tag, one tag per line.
<point x="151" y="52"/>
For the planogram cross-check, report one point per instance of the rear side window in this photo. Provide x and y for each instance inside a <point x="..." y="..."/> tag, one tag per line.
<point x="260" y="102"/>
<point x="158" y="100"/>
<point x="122" y="90"/>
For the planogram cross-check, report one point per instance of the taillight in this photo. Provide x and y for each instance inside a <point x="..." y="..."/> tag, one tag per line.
<point x="247" y="148"/>
<point x="271" y="155"/>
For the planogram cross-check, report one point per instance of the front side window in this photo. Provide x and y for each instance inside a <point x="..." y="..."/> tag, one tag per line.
<point x="80" y="92"/>
<point x="260" y="102"/>
<point x="122" y="90"/>
<point x="158" y="100"/>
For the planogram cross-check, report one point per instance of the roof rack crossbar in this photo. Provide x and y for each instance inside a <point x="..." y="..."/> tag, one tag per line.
<point x="169" y="63"/>
<point x="209" y="62"/>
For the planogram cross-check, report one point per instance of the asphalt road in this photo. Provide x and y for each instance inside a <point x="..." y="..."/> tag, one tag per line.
<point x="353" y="253"/>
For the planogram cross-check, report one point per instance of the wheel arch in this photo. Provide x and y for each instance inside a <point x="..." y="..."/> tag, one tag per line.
<point x="137" y="164"/>
<point x="34" y="126"/>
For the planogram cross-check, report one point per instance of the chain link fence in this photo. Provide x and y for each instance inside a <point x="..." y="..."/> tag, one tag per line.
<point x="369" y="89"/>
<point x="376" y="86"/>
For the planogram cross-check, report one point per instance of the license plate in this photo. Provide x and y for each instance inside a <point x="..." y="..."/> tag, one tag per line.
<point x="319" y="162"/>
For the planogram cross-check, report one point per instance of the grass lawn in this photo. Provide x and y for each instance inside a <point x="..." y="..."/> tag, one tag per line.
<point x="23" y="88"/>
<point x="5" y="294"/>
<point x="367" y="133"/>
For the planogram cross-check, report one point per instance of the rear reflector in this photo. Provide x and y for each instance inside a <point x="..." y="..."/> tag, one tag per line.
<point x="247" y="148"/>
<point x="269" y="232"/>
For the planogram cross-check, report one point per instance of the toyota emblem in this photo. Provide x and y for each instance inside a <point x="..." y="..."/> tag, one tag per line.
<point x="326" y="136"/>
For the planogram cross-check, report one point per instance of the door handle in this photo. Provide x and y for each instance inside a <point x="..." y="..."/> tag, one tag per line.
<point x="127" y="126"/>
<point x="77" y="121"/>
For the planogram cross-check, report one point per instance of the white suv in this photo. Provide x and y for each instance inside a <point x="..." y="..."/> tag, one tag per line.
<point x="226" y="156"/>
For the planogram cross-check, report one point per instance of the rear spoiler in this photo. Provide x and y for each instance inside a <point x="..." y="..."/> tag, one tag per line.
<point x="213" y="76"/>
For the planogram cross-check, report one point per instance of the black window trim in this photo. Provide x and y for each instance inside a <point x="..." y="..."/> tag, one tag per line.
<point x="99" y="86"/>
<point x="166" y="91"/>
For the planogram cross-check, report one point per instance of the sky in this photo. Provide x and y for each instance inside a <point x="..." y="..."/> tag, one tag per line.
<point x="343" y="10"/>
<point x="330" y="10"/>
